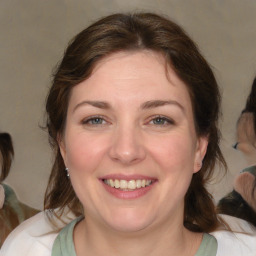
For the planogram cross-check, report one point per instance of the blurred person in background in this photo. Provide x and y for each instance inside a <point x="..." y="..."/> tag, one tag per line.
<point x="12" y="211"/>
<point x="241" y="202"/>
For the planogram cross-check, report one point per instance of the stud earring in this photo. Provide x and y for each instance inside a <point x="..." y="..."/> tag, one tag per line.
<point x="66" y="169"/>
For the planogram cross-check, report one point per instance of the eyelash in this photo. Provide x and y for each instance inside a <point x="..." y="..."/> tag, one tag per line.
<point x="89" y="120"/>
<point x="164" y="121"/>
<point x="167" y="121"/>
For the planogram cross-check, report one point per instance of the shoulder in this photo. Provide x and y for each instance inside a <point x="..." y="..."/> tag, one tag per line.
<point x="34" y="236"/>
<point x="235" y="244"/>
<point x="239" y="225"/>
<point x="64" y="241"/>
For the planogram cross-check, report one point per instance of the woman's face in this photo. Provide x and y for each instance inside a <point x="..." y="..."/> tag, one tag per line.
<point x="130" y="125"/>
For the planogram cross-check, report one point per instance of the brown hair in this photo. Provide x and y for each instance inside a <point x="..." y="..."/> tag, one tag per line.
<point x="251" y="103"/>
<point x="6" y="149"/>
<point x="233" y="204"/>
<point x="124" y="32"/>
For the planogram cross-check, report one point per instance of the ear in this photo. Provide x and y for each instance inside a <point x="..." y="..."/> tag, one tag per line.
<point x="201" y="148"/>
<point x="62" y="147"/>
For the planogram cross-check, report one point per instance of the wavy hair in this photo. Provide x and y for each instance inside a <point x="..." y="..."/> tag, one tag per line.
<point x="251" y="102"/>
<point x="7" y="153"/>
<point x="135" y="32"/>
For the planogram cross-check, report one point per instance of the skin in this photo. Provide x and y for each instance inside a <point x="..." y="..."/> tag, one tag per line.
<point x="246" y="137"/>
<point x="144" y="125"/>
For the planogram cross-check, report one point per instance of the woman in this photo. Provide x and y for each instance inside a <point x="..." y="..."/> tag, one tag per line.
<point x="132" y="118"/>
<point x="241" y="202"/>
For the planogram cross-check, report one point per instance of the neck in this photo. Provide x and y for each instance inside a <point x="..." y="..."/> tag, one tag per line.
<point x="91" y="239"/>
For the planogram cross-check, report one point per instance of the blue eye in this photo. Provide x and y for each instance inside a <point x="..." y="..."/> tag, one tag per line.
<point x="161" y="121"/>
<point x="94" y="121"/>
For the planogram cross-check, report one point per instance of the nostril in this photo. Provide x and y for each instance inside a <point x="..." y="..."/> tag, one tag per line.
<point x="127" y="146"/>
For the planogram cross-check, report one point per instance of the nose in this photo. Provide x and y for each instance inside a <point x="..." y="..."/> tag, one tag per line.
<point x="127" y="146"/>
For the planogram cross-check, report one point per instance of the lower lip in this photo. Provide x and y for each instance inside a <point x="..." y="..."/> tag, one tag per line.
<point x="128" y="194"/>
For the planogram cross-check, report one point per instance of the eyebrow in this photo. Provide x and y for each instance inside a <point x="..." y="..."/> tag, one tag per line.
<point x="146" y="105"/>
<point x="159" y="103"/>
<point x="97" y="104"/>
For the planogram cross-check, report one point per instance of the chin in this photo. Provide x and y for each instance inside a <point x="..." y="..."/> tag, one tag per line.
<point x="129" y="222"/>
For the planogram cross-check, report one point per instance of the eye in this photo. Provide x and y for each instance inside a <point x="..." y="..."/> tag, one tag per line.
<point x="94" y="121"/>
<point x="161" y="121"/>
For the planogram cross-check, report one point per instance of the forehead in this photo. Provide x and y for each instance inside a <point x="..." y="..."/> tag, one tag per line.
<point x="133" y="64"/>
<point x="132" y="74"/>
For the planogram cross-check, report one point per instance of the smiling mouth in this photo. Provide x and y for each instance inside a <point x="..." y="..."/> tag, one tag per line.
<point x="128" y="185"/>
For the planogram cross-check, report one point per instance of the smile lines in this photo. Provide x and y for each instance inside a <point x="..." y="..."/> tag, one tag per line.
<point x="127" y="185"/>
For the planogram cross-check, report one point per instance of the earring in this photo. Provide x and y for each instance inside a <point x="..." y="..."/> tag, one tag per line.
<point x="66" y="169"/>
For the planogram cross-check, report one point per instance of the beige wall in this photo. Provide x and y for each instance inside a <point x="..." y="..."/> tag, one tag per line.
<point x="35" y="32"/>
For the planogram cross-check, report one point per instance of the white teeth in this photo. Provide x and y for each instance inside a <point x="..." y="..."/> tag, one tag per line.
<point x="111" y="183"/>
<point x="131" y="184"/>
<point x="128" y="185"/>
<point x="117" y="184"/>
<point x="138" y="183"/>
<point x="123" y="184"/>
<point x="148" y="182"/>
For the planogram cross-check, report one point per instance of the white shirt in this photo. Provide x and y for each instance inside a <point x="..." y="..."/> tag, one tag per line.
<point x="35" y="237"/>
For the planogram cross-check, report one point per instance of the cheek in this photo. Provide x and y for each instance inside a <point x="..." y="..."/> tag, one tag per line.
<point x="83" y="153"/>
<point x="173" y="153"/>
<point x="174" y="157"/>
